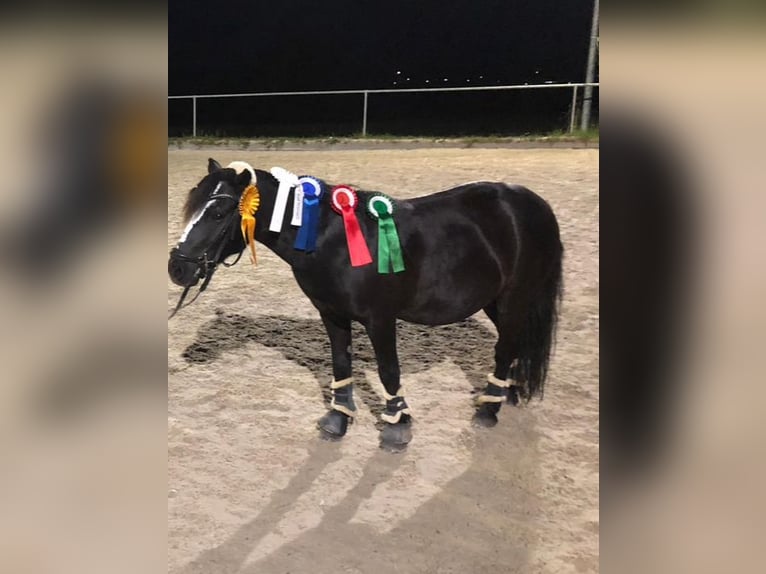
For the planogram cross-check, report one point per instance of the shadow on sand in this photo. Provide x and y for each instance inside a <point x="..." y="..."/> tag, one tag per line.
<point x="469" y="344"/>
<point x="337" y="545"/>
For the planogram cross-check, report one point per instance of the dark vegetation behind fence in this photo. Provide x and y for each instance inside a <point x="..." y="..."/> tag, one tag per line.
<point x="507" y="112"/>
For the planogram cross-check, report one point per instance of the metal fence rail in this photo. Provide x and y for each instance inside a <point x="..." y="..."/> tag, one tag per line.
<point x="365" y="93"/>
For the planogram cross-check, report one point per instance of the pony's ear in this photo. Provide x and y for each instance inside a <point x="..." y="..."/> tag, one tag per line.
<point x="212" y="165"/>
<point x="244" y="178"/>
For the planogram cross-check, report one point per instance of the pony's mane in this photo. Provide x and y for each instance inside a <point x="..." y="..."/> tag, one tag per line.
<point x="194" y="201"/>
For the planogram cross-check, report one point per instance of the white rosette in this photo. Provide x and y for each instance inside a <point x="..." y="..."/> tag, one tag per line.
<point x="287" y="181"/>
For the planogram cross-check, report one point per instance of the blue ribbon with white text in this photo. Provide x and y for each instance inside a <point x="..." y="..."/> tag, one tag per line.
<point x="309" y="229"/>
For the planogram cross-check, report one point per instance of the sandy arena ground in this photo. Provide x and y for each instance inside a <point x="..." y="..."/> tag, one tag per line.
<point x="253" y="489"/>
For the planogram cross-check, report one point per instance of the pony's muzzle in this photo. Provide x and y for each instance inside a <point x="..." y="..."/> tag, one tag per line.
<point x="183" y="273"/>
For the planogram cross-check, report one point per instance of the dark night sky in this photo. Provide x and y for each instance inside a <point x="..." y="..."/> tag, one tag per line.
<point x="239" y="45"/>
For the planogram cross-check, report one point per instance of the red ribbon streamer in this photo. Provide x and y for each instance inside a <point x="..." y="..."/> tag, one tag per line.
<point x="344" y="201"/>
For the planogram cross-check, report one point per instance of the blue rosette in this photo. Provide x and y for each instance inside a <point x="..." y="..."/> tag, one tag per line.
<point x="306" y="239"/>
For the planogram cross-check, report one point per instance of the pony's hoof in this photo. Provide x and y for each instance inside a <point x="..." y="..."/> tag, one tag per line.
<point x="484" y="420"/>
<point x="485" y="417"/>
<point x="333" y="425"/>
<point x="396" y="437"/>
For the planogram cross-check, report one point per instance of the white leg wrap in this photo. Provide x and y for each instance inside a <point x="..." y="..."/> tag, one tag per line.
<point x="393" y="419"/>
<point x="487" y="398"/>
<point x="399" y="393"/>
<point x="334" y="385"/>
<point x="481" y="399"/>
<point x="342" y="408"/>
<point x="396" y="417"/>
<point x="497" y="382"/>
<point x="340" y="384"/>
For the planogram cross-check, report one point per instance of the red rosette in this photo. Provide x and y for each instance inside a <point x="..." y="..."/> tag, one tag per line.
<point x="344" y="201"/>
<point x="343" y="197"/>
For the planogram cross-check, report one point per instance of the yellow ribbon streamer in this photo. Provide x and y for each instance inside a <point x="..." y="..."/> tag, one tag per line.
<point x="248" y="205"/>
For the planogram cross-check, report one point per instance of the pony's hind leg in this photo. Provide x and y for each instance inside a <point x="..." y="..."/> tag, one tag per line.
<point x="397" y="432"/>
<point x="499" y="388"/>
<point x="334" y="423"/>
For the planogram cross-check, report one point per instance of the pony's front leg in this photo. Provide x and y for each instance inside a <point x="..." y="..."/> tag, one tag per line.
<point x="397" y="431"/>
<point x="334" y="423"/>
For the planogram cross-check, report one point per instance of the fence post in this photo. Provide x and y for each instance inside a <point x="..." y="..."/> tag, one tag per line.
<point x="574" y="109"/>
<point x="364" y="116"/>
<point x="587" y="98"/>
<point x="194" y="116"/>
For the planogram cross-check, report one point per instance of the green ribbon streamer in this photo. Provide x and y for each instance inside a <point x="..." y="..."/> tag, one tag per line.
<point x="389" y="248"/>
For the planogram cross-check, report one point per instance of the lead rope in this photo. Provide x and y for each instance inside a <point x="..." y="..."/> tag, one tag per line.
<point x="180" y="301"/>
<point x="186" y="290"/>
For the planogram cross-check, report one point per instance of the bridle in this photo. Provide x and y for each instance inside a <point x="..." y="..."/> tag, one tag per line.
<point x="206" y="266"/>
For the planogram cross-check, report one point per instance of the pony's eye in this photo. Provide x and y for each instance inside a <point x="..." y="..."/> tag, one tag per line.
<point x="217" y="214"/>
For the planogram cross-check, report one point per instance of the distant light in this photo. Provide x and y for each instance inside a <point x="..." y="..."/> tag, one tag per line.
<point x="398" y="72"/>
<point x="445" y="79"/>
<point x="468" y="81"/>
<point x="481" y="77"/>
<point x="394" y="83"/>
<point x="428" y="81"/>
<point x="408" y="79"/>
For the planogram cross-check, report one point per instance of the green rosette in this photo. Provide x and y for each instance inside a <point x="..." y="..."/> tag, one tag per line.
<point x="381" y="207"/>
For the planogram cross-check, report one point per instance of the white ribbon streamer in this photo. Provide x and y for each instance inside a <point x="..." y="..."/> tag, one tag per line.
<point x="298" y="207"/>
<point x="287" y="181"/>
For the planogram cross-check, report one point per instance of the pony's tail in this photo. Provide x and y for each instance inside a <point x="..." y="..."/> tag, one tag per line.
<point x="538" y="334"/>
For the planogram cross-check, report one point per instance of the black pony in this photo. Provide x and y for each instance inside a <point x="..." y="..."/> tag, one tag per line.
<point x="487" y="246"/>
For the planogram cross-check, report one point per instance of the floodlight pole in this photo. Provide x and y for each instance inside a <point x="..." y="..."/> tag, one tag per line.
<point x="573" y="109"/>
<point x="590" y="70"/>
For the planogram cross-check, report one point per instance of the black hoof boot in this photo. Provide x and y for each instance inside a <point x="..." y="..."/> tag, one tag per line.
<point x="486" y="415"/>
<point x="395" y="437"/>
<point x="333" y="425"/>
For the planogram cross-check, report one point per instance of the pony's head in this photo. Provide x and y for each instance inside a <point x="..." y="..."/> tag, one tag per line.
<point x="212" y="219"/>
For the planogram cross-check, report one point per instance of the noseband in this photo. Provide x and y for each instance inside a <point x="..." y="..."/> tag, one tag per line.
<point x="206" y="266"/>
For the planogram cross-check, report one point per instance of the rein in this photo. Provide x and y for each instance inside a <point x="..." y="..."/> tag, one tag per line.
<point x="206" y="267"/>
